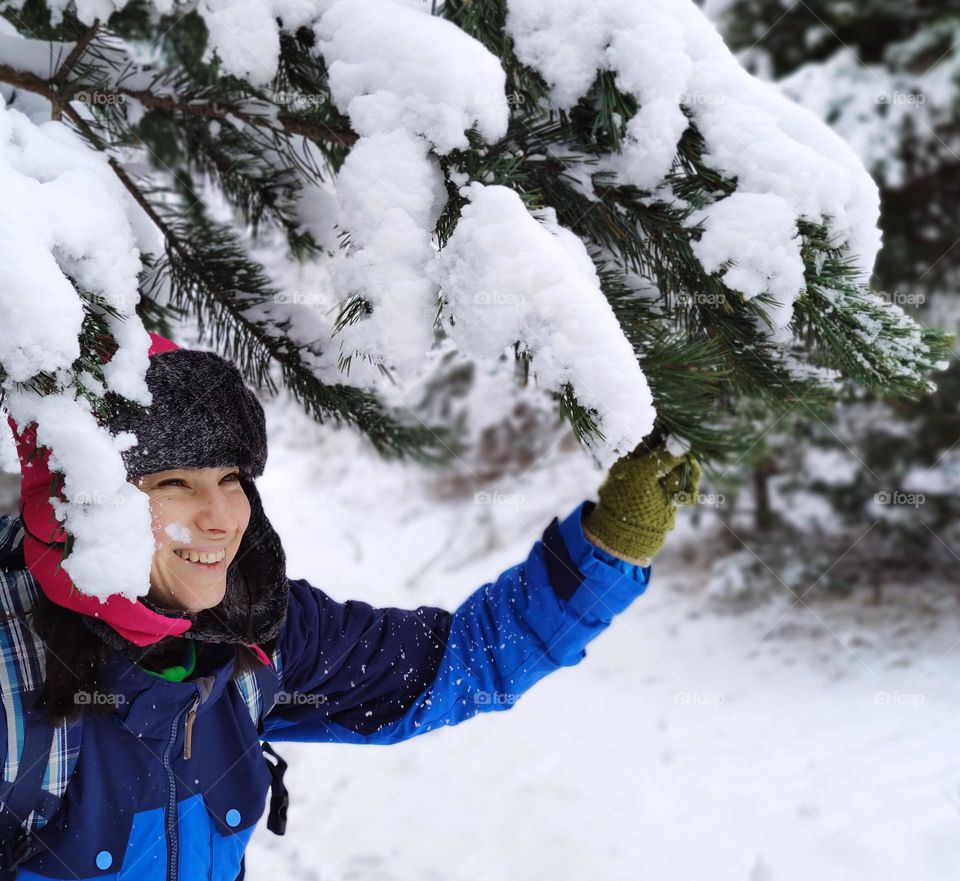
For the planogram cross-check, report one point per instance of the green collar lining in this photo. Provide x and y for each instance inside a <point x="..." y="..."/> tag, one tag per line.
<point x="177" y="673"/>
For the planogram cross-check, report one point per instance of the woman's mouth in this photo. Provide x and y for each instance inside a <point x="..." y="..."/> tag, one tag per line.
<point x="209" y="562"/>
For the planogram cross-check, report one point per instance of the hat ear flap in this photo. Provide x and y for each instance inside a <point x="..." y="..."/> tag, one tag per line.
<point x="257" y="588"/>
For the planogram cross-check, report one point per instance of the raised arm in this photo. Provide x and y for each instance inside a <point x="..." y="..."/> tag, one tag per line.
<point x="353" y="673"/>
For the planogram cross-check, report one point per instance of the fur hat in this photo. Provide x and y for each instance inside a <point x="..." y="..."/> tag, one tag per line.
<point x="202" y="415"/>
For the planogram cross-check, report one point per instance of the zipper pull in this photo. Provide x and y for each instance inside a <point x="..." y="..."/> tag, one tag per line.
<point x="188" y="731"/>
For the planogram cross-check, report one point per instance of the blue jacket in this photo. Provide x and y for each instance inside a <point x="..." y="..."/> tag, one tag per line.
<point x="144" y="804"/>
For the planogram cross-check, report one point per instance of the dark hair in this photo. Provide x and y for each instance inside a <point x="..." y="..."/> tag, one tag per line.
<point x="76" y="661"/>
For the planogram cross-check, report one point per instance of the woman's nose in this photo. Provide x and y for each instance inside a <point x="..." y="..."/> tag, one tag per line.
<point x="216" y="513"/>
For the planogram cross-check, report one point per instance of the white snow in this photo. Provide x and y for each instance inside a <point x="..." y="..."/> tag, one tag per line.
<point x="390" y="194"/>
<point x="394" y="67"/>
<point x="412" y="85"/>
<point x="245" y="36"/>
<point x="65" y="213"/>
<point x="178" y="532"/>
<point x="760" y="230"/>
<point x="103" y="512"/>
<point x="507" y="276"/>
<point x="668" y="55"/>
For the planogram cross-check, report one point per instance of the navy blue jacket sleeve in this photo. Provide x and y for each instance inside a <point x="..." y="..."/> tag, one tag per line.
<point x="353" y="673"/>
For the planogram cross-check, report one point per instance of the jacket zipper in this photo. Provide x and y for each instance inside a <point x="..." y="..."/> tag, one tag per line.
<point x="188" y="729"/>
<point x="173" y="821"/>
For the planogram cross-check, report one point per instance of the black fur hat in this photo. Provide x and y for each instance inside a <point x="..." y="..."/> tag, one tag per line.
<point x="202" y="415"/>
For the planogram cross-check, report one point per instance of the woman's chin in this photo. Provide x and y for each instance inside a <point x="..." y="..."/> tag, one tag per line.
<point x="207" y="598"/>
<point x="192" y="598"/>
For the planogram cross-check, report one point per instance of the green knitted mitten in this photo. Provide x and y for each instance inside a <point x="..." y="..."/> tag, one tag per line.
<point x="638" y="503"/>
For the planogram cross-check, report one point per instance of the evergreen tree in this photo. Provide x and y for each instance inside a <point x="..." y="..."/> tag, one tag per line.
<point x="886" y="77"/>
<point x="740" y="294"/>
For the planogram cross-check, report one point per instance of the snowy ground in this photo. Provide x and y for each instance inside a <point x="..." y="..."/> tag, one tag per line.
<point x="692" y="743"/>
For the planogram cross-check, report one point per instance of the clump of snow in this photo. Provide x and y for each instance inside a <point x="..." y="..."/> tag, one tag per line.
<point x="507" y="276"/>
<point x="670" y="57"/>
<point x="383" y="60"/>
<point x="66" y="216"/>
<point x="395" y="67"/>
<point x="245" y="36"/>
<point x="64" y="213"/>
<point x="102" y="511"/>
<point x="759" y="232"/>
<point x="243" y="33"/>
<point x="391" y="193"/>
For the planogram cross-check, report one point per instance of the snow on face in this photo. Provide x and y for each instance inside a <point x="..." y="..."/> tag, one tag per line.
<point x="178" y="532"/>
<point x="199" y="509"/>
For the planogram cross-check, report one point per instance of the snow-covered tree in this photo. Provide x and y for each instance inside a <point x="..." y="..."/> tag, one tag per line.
<point x="596" y="188"/>
<point x="886" y="77"/>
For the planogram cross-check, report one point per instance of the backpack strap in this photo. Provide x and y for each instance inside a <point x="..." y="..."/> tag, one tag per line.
<point x="279" y="797"/>
<point x="40" y="758"/>
<point x="18" y="817"/>
<point x="260" y="689"/>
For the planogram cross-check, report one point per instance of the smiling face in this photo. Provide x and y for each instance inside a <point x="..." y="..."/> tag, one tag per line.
<point x="198" y="517"/>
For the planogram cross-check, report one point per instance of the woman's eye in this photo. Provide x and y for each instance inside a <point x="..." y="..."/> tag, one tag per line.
<point x="173" y="481"/>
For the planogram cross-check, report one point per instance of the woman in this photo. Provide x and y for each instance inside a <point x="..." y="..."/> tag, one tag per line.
<point x="133" y="730"/>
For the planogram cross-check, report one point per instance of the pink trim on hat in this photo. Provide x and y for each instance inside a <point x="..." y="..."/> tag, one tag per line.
<point x="160" y="344"/>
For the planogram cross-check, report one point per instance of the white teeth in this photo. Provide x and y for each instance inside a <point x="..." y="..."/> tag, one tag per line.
<point x="194" y="557"/>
